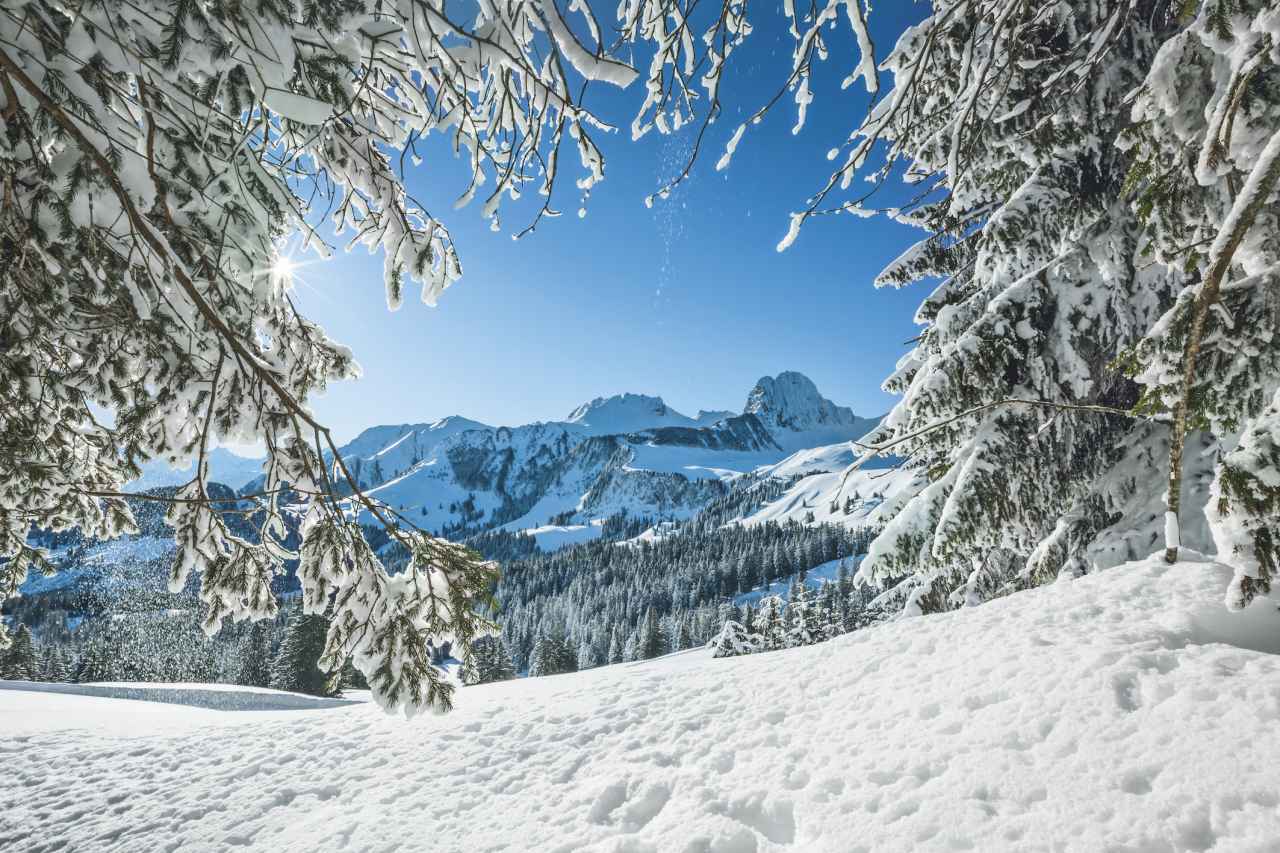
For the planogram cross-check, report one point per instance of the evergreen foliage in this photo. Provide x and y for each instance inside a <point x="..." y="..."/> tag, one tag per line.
<point x="553" y="654"/>
<point x="18" y="661"/>
<point x="297" y="665"/>
<point x="490" y="661"/>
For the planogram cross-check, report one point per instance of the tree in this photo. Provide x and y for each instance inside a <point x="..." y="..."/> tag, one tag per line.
<point x="254" y="652"/>
<point x="489" y="661"/>
<point x="552" y="654"/>
<point x="1080" y="174"/>
<point x="733" y="640"/>
<point x="96" y="662"/>
<point x="19" y="662"/>
<point x="651" y="643"/>
<point x="616" y="646"/>
<point x="769" y="625"/>
<point x="298" y="664"/>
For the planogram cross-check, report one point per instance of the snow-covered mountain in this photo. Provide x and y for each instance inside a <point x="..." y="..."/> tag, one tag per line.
<point x="626" y="453"/>
<point x="624" y="413"/>
<point x="225" y="467"/>
<point x="790" y="406"/>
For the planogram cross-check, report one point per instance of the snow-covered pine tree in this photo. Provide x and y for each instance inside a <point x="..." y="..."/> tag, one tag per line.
<point x="254" y="652"/>
<point x="651" y="643"/>
<point x="298" y="663"/>
<point x="1205" y="143"/>
<point x="733" y="640"/>
<point x="97" y="662"/>
<point x="769" y="625"/>
<point x="587" y="655"/>
<point x="18" y="662"/>
<point x="1010" y="120"/>
<point x="552" y="654"/>
<point x="617" y="646"/>
<point x="489" y="661"/>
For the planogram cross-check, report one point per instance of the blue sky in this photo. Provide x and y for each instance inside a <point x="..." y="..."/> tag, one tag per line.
<point x="688" y="300"/>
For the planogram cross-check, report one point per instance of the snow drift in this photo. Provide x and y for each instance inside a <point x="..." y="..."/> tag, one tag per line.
<point x="1121" y="711"/>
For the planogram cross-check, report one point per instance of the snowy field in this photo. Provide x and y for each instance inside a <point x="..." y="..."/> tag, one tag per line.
<point x="1121" y="712"/>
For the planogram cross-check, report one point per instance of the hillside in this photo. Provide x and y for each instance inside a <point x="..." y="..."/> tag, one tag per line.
<point x="1121" y="711"/>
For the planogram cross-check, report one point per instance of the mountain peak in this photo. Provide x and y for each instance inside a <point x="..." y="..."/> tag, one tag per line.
<point x="791" y="401"/>
<point x="624" y="413"/>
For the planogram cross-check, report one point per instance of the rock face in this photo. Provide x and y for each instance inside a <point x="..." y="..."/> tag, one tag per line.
<point x="628" y="452"/>
<point x="790" y="401"/>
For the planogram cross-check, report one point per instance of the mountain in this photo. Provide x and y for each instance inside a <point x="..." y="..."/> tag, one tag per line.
<point x="624" y="413"/>
<point x="791" y="408"/>
<point x="629" y="453"/>
<point x="225" y="467"/>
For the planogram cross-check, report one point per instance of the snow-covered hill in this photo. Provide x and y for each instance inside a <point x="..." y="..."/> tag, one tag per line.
<point x="1122" y="711"/>
<point x="627" y="453"/>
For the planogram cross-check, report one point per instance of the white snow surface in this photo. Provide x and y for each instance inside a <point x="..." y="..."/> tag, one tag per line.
<point x="1126" y="710"/>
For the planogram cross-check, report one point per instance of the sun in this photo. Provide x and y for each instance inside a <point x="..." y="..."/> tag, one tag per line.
<point x="283" y="268"/>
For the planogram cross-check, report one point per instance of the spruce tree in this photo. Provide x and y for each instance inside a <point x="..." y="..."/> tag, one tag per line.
<point x="651" y="643"/>
<point x="733" y="640"/>
<point x="490" y="661"/>
<point x="254" y="651"/>
<point x="616" y="646"/>
<point x="297" y="665"/>
<point x="19" y="661"/>
<point x="552" y="654"/>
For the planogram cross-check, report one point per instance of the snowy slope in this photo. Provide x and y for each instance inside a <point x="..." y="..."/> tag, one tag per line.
<point x="1116" y="712"/>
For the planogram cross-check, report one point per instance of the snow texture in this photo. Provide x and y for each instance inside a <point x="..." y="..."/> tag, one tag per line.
<point x="1121" y="711"/>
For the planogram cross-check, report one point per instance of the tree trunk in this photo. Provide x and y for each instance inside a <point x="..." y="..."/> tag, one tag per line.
<point x="1243" y="211"/>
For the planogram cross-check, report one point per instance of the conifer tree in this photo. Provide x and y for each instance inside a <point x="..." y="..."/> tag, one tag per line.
<point x="490" y="661"/>
<point x="616" y="646"/>
<point x="254" y="652"/>
<point x="19" y="661"/>
<point x="1087" y="175"/>
<point x="769" y="625"/>
<point x="651" y="643"/>
<point x="97" y="663"/>
<point x="297" y="665"/>
<point x="553" y="654"/>
<point x="733" y="640"/>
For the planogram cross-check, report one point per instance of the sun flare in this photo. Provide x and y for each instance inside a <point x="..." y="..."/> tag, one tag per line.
<point x="283" y="268"/>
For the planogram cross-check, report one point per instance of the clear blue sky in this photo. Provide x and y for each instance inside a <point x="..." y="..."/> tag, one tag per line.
<point x="688" y="300"/>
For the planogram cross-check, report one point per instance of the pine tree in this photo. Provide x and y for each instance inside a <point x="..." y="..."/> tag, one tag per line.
<point x="490" y="661"/>
<point x="769" y="625"/>
<point x="733" y="640"/>
<point x="296" y="667"/>
<point x="19" y="659"/>
<point x="616" y="646"/>
<point x="553" y="655"/>
<point x="97" y="662"/>
<point x="255" y="656"/>
<point x="651" y="643"/>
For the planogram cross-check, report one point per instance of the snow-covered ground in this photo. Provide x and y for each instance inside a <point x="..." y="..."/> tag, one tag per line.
<point x="1122" y="711"/>
<point x="221" y="697"/>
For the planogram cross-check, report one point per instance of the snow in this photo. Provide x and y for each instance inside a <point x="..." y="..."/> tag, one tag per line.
<point x="553" y="536"/>
<point x="1112" y="712"/>
<point x="874" y="495"/>
<point x="223" y="697"/>
<point x="814" y="578"/>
